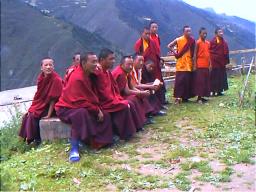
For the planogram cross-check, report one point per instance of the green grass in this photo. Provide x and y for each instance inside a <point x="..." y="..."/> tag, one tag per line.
<point x="223" y="132"/>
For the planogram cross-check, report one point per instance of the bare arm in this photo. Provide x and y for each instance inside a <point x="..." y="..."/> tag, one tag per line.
<point x="172" y="44"/>
<point x="50" y="110"/>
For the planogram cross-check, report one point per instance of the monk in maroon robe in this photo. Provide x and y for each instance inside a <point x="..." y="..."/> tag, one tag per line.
<point x="73" y="66"/>
<point x="219" y="54"/>
<point x="138" y="82"/>
<point x="147" y="47"/>
<point x="49" y="87"/>
<point x="123" y="78"/>
<point x="121" y="111"/>
<point x="79" y="106"/>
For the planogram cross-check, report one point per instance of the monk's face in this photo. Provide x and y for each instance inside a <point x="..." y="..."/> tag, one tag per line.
<point x="150" y="67"/>
<point x="203" y="34"/>
<point x="220" y="33"/>
<point x="91" y="64"/>
<point x="109" y="61"/>
<point x="139" y="62"/>
<point x="187" y="32"/>
<point x="76" y="59"/>
<point x="153" y="28"/>
<point x="146" y="34"/>
<point x="47" y="66"/>
<point x="128" y="65"/>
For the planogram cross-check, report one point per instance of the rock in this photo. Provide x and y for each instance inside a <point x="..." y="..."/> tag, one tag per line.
<point x="53" y="128"/>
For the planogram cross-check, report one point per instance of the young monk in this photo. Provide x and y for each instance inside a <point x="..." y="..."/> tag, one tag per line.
<point x="219" y="54"/>
<point x="202" y="67"/>
<point x="79" y="106"/>
<point x="49" y="87"/>
<point x="148" y="48"/>
<point x="136" y="81"/>
<point x="122" y="76"/>
<point x="153" y="26"/>
<point x="184" y="66"/>
<point x="121" y="111"/>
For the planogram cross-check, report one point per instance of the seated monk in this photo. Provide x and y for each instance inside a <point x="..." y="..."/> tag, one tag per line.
<point x="75" y="63"/>
<point x="121" y="111"/>
<point x="123" y="78"/>
<point x="79" y="106"/>
<point x="136" y="81"/>
<point x="49" y="87"/>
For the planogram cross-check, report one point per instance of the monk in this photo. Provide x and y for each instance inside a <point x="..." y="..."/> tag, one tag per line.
<point x="49" y="87"/>
<point x="219" y="54"/>
<point x="184" y="66"/>
<point x="148" y="48"/>
<point x="202" y="67"/>
<point x="122" y="112"/>
<point x="153" y="26"/>
<point x="122" y="76"/>
<point x="75" y="63"/>
<point x="79" y="106"/>
<point x="136" y="81"/>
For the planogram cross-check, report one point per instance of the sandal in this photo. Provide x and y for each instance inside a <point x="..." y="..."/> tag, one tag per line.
<point x="74" y="156"/>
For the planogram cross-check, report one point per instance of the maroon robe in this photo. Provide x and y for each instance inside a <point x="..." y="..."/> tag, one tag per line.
<point x="121" y="78"/>
<point x="48" y="89"/>
<point x="112" y="102"/>
<point x="152" y="53"/>
<point x="219" y="54"/>
<point x="79" y="106"/>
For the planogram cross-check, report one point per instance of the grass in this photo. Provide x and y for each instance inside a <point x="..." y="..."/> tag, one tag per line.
<point x="221" y="131"/>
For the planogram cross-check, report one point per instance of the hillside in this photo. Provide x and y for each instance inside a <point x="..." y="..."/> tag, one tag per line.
<point x="120" y="21"/>
<point x="28" y="35"/>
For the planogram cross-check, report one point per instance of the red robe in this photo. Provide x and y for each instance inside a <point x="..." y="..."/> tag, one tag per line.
<point x="69" y="70"/>
<point x="219" y="53"/>
<point x="79" y="93"/>
<point x="156" y="39"/>
<point x="48" y="88"/>
<point x="111" y="101"/>
<point x="108" y="91"/>
<point x="153" y="54"/>
<point x="79" y="106"/>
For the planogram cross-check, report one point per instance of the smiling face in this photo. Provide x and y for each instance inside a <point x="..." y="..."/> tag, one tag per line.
<point x="138" y="62"/>
<point x="47" y="66"/>
<point x="91" y="63"/>
<point x="127" y="64"/>
<point x="220" y="33"/>
<point x="109" y="61"/>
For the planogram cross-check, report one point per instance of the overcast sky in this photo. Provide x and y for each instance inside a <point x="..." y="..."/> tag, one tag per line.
<point x="241" y="8"/>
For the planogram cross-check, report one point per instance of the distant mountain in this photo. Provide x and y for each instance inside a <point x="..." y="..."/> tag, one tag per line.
<point x="119" y="21"/>
<point x="28" y="35"/>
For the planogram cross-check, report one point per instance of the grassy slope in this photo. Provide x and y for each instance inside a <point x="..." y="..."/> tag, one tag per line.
<point x="219" y="131"/>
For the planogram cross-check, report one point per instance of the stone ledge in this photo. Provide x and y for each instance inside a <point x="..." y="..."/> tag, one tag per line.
<point x="54" y="128"/>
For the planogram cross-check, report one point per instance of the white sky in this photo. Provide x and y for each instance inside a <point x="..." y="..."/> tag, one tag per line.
<point x="241" y="8"/>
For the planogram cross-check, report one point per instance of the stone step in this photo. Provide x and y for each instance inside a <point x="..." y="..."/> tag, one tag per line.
<point x="54" y="128"/>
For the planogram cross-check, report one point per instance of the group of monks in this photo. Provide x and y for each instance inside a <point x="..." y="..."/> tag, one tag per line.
<point x="103" y="105"/>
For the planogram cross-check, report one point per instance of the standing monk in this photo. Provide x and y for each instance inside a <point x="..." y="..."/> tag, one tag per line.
<point x="154" y="36"/>
<point x="202" y="67"/>
<point x="219" y="54"/>
<point x="49" y="87"/>
<point x="148" y="48"/>
<point x="184" y="66"/>
<point x="110" y="98"/>
<point x="79" y="106"/>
